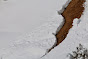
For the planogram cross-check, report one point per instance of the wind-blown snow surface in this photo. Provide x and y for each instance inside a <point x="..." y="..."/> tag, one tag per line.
<point x="19" y="16"/>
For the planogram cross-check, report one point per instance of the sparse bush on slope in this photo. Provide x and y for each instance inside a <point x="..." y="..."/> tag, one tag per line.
<point x="80" y="53"/>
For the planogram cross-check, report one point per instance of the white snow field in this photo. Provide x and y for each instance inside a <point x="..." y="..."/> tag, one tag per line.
<point x="7" y="37"/>
<point x="39" y="19"/>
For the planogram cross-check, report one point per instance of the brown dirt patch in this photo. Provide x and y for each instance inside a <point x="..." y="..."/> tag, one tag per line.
<point x="73" y="10"/>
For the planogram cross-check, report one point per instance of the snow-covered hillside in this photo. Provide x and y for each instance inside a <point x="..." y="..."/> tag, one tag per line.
<point x="39" y="19"/>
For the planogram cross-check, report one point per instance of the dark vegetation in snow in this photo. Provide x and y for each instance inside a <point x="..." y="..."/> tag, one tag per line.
<point x="80" y="53"/>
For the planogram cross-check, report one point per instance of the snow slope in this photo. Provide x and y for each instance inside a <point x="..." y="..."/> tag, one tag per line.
<point x="26" y="16"/>
<point x="35" y="44"/>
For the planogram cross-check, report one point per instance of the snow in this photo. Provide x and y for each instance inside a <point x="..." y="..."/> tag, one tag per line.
<point x="7" y="37"/>
<point x="42" y="23"/>
<point x="39" y="18"/>
<point x="26" y="15"/>
<point x="35" y="44"/>
<point x="18" y="18"/>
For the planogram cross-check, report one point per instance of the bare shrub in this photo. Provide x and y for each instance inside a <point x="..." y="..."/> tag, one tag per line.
<point x="80" y="53"/>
